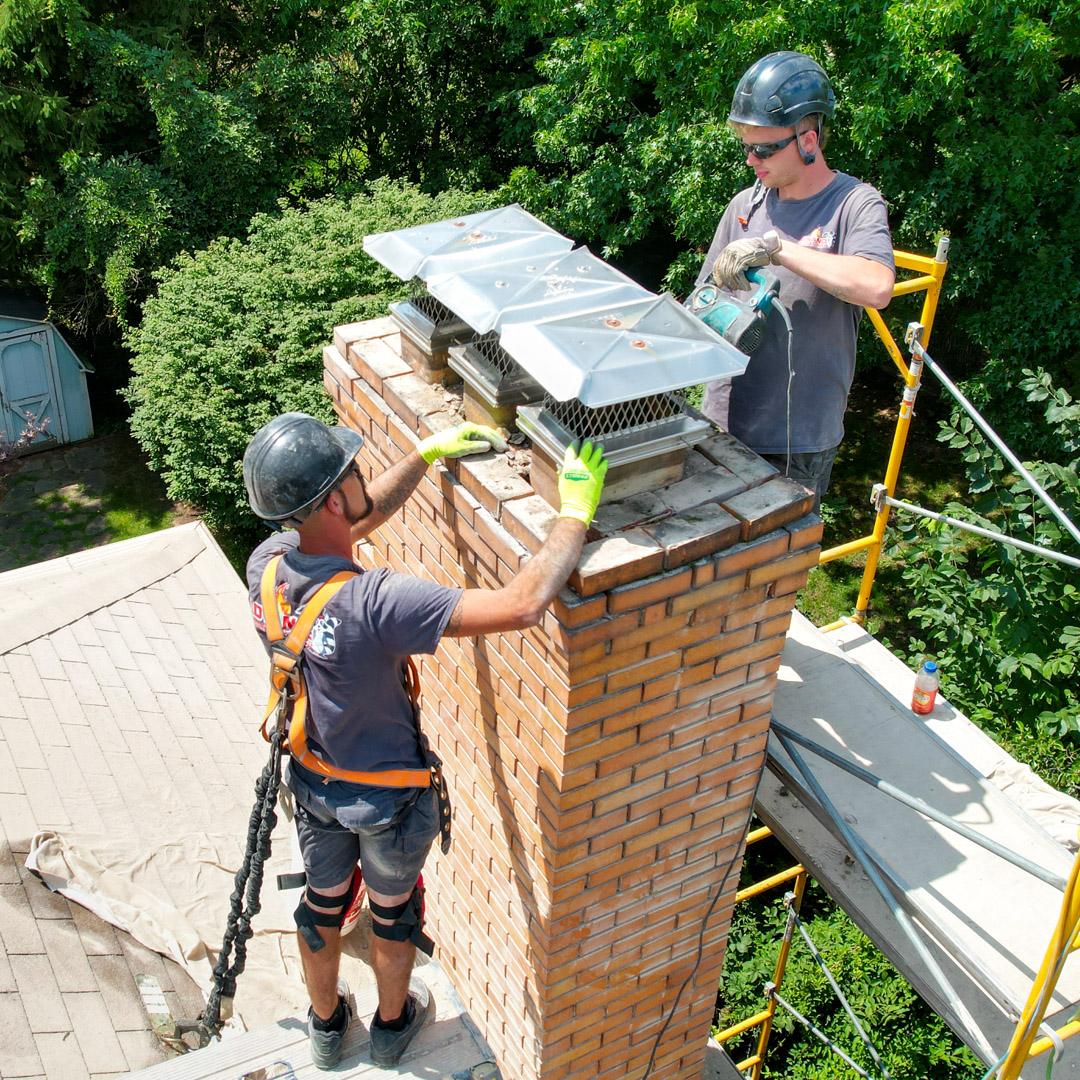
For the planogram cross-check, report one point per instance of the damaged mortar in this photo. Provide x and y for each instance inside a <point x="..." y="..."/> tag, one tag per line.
<point x="603" y="764"/>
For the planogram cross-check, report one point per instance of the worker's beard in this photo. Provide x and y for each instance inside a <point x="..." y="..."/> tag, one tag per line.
<point x="353" y="518"/>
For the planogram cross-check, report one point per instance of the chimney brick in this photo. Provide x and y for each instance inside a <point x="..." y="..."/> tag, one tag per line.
<point x="602" y="764"/>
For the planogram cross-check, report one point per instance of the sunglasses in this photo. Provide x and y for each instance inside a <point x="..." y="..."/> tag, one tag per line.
<point x="763" y="150"/>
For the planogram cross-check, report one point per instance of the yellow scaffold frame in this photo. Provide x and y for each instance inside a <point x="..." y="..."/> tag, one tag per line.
<point x="931" y="273"/>
<point x="764" y="1018"/>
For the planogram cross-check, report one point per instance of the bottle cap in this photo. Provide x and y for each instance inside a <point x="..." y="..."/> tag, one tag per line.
<point x="930" y="666"/>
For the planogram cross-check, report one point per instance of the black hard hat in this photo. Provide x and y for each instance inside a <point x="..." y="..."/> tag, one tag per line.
<point x="780" y="89"/>
<point x="294" y="462"/>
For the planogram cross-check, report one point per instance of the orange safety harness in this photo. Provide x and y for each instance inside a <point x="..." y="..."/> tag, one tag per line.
<point x="287" y="704"/>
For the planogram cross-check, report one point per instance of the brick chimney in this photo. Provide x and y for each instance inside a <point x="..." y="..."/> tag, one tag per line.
<point x="603" y="764"/>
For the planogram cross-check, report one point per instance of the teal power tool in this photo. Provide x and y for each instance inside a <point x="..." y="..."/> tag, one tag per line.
<point x="740" y="322"/>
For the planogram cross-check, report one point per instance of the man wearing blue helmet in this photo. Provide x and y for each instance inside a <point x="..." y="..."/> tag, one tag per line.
<point x="826" y="235"/>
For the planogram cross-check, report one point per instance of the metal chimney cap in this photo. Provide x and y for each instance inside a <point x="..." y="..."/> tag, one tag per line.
<point x="448" y="247"/>
<point x="535" y="289"/>
<point x="623" y="352"/>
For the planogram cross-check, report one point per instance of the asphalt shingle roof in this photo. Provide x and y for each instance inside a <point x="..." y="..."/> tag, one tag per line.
<point x="130" y="686"/>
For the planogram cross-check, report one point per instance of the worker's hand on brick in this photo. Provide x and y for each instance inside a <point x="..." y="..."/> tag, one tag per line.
<point x="459" y="441"/>
<point x="581" y="479"/>
<point x="740" y="255"/>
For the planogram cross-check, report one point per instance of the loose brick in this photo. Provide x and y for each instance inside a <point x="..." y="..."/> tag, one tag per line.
<point x="375" y="361"/>
<point x="631" y="512"/>
<point x="713" y="485"/>
<point x="726" y="450"/>
<point x="410" y="398"/>
<point x="491" y="480"/>
<point x="689" y="536"/>
<point x="617" y="560"/>
<point x="529" y="520"/>
<point x="772" y="504"/>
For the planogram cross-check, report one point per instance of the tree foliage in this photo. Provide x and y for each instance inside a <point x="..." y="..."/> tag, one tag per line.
<point x="130" y="133"/>
<point x="234" y="335"/>
<point x="964" y="114"/>
<point x="1004" y="624"/>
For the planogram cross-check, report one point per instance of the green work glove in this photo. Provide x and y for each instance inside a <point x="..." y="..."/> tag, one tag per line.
<point x="740" y="255"/>
<point x="458" y="441"/>
<point x="581" y="479"/>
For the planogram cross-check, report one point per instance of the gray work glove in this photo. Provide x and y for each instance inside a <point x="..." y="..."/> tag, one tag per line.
<point x="740" y="255"/>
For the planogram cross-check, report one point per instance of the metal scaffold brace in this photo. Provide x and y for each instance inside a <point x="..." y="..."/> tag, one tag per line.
<point x="861" y="853"/>
<point x="881" y="498"/>
<point x="793" y="920"/>
<point x="1066" y="937"/>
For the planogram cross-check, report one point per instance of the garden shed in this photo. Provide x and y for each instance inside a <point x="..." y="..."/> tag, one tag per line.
<point x="41" y="374"/>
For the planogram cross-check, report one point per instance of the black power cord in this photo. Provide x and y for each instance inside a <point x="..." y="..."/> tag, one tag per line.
<point x="701" y="933"/>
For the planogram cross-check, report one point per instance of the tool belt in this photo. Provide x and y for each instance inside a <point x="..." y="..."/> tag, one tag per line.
<point x="287" y="705"/>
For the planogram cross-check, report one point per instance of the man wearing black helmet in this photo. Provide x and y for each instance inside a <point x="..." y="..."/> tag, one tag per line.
<point x="365" y="783"/>
<point x="826" y="235"/>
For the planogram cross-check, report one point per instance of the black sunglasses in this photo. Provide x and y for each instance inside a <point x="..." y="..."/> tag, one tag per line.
<point x="763" y="150"/>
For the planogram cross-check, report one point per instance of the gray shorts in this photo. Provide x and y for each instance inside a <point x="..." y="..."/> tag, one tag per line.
<point x="811" y="470"/>
<point x="389" y="831"/>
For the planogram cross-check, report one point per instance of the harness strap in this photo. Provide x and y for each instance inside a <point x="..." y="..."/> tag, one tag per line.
<point x="287" y="684"/>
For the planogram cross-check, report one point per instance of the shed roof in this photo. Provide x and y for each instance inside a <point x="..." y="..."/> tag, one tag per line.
<point x="19" y="304"/>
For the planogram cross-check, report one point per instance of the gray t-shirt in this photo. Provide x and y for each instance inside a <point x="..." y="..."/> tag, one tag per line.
<point x="848" y="218"/>
<point x="359" y="714"/>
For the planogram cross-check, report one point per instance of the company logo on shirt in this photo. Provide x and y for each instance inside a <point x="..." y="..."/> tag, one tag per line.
<point x="819" y="239"/>
<point x="322" y="640"/>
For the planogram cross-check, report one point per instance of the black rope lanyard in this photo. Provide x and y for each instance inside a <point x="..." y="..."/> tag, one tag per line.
<point x="244" y="902"/>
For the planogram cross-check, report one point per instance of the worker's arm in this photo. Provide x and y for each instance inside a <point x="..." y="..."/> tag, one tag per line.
<point x="523" y="602"/>
<point x="851" y="278"/>
<point x="389" y="491"/>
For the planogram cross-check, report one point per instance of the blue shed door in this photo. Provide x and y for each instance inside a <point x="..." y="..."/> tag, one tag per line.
<point x="28" y="384"/>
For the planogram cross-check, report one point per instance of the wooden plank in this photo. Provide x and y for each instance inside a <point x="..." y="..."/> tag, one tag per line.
<point x="1001" y="915"/>
<point x="446" y="1045"/>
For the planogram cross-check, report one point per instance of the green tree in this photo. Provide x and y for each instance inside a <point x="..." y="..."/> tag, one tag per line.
<point x="128" y="135"/>
<point x="234" y="335"/>
<point x="964" y="114"/>
<point x="1003" y="624"/>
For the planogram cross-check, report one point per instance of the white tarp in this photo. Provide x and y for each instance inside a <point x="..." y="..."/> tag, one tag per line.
<point x="175" y="900"/>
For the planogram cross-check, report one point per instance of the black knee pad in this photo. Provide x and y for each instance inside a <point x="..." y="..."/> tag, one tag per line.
<point x="307" y="918"/>
<point x="408" y="921"/>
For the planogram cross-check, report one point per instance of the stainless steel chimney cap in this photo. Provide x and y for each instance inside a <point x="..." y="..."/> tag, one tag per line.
<point x="448" y="247"/>
<point x="622" y="352"/>
<point x="533" y="289"/>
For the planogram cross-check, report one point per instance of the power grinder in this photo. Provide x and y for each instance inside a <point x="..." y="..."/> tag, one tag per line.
<point x="740" y="322"/>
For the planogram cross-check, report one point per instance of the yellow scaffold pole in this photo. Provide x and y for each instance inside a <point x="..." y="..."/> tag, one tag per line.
<point x="1064" y="941"/>
<point x="931" y="274"/>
